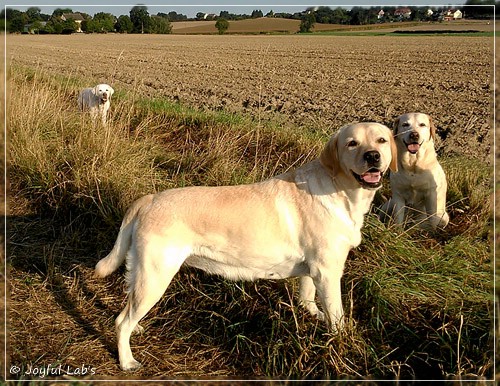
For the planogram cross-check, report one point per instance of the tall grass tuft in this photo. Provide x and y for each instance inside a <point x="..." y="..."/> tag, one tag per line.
<point x="65" y="161"/>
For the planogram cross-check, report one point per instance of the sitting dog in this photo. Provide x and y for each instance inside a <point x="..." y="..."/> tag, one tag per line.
<point x="419" y="186"/>
<point x="97" y="100"/>
<point x="302" y="223"/>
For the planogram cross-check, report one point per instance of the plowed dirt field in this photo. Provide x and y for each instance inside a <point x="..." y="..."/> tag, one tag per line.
<point x="316" y="82"/>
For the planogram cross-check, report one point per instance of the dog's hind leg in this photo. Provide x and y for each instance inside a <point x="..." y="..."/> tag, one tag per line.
<point x="150" y="277"/>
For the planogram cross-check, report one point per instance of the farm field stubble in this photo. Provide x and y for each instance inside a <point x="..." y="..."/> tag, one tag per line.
<point x="207" y="327"/>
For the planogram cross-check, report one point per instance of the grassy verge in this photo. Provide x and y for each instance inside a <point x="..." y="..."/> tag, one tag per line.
<point x="423" y="33"/>
<point x="420" y="304"/>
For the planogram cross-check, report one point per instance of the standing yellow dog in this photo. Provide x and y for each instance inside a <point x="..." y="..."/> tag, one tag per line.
<point x="301" y="223"/>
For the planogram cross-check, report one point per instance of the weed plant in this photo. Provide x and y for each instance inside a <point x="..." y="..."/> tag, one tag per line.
<point x="419" y="304"/>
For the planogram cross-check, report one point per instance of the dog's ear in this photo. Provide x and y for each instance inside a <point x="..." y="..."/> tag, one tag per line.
<point x="394" y="154"/>
<point x="329" y="157"/>
<point x="111" y="91"/>
<point x="433" y="129"/>
<point x="95" y="90"/>
<point x="395" y="126"/>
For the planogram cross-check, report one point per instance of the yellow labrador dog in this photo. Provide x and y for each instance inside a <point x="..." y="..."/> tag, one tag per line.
<point x="97" y="100"/>
<point x="419" y="187"/>
<point x="301" y="223"/>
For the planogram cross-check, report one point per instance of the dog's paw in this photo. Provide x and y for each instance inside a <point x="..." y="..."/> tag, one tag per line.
<point x="131" y="365"/>
<point x="320" y="315"/>
<point x="314" y="310"/>
<point x="138" y="329"/>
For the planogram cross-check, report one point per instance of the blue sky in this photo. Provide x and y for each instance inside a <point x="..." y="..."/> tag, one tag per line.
<point x="191" y="7"/>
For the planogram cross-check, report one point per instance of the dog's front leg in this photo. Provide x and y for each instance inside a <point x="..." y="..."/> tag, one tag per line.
<point x="327" y="282"/>
<point x="398" y="209"/>
<point x="436" y="211"/>
<point x="307" y="292"/>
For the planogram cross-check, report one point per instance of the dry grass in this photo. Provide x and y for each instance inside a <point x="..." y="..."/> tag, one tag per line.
<point x="420" y="305"/>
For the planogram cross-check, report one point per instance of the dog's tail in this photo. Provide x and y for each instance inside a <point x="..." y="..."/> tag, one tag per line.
<point x="116" y="257"/>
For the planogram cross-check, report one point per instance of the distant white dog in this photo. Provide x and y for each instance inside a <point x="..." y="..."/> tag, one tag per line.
<point x="96" y="100"/>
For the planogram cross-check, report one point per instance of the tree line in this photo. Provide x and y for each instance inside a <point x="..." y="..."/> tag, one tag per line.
<point x="140" y="21"/>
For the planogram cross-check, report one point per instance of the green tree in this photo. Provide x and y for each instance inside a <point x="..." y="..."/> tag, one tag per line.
<point x="361" y="16"/>
<point x="124" y="24"/>
<point x="475" y="9"/>
<point x="59" y="11"/>
<point x="36" y="27"/>
<point x="307" y="22"/>
<point x="33" y="14"/>
<point x="173" y="16"/>
<point x="418" y="13"/>
<point x="139" y="16"/>
<point x="104" y="22"/>
<point x="322" y="14"/>
<point x="68" y="27"/>
<point x="160" y="25"/>
<point x="222" y="25"/>
<point x="16" y="20"/>
<point x="256" y="14"/>
<point x="339" y="16"/>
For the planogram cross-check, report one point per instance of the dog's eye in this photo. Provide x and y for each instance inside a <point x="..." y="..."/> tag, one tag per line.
<point x="352" y="143"/>
<point x="422" y="124"/>
<point x="382" y="140"/>
<point x="406" y="124"/>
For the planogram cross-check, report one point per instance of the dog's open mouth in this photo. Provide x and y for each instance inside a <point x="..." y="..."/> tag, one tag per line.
<point x="369" y="179"/>
<point x="413" y="147"/>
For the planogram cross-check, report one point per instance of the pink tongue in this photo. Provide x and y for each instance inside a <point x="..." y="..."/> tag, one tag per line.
<point x="371" y="177"/>
<point x="413" y="147"/>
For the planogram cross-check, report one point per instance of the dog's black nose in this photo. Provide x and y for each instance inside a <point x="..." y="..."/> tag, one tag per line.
<point x="372" y="157"/>
<point x="414" y="136"/>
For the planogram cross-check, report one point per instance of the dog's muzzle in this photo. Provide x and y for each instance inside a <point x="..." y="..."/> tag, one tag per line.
<point x="413" y="147"/>
<point x="371" y="179"/>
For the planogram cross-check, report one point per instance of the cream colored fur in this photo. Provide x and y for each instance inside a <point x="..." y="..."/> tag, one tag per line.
<point x="419" y="187"/>
<point x="96" y="100"/>
<point x="302" y="223"/>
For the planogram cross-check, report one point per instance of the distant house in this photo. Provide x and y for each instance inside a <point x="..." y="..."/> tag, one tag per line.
<point x="403" y="13"/>
<point x="452" y="14"/>
<point x="380" y="14"/>
<point x="429" y="12"/>
<point x="457" y="14"/>
<point x="76" y="17"/>
<point x="209" y="16"/>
